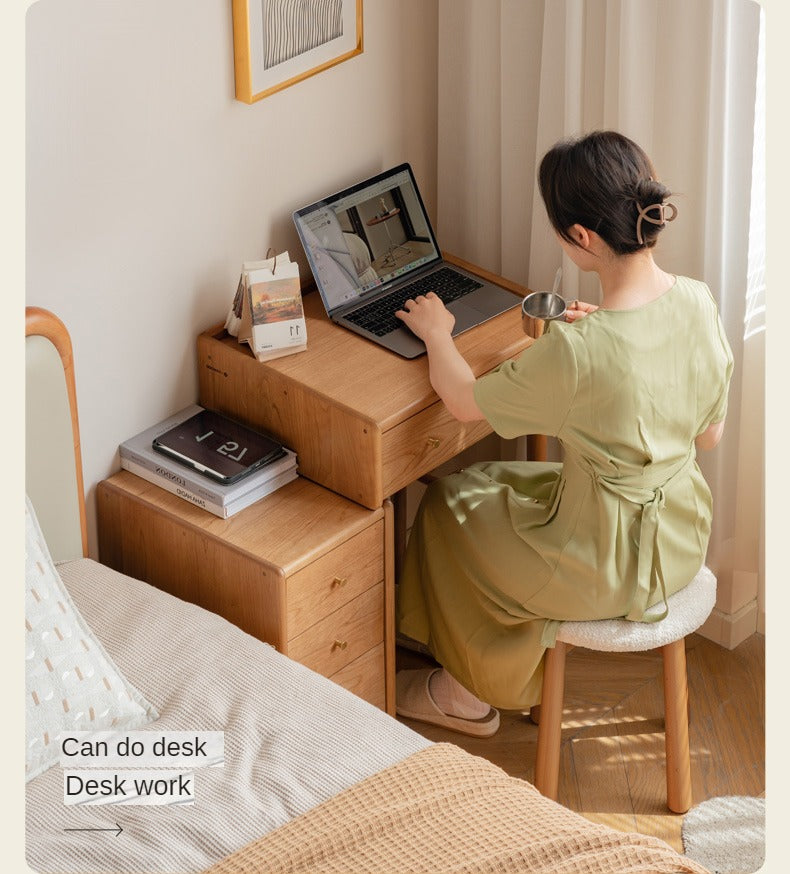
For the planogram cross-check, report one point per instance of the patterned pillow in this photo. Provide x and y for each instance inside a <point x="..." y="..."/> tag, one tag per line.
<point x="71" y="683"/>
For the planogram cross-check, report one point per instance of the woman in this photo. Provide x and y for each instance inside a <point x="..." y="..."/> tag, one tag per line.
<point x="502" y="552"/>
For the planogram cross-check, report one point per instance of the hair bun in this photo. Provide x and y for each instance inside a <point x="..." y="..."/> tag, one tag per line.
<point x="650" y="191"/>
<point x="604" y="181"/>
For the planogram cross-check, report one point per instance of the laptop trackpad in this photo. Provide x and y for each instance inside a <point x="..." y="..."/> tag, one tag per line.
<point x="465" y="317"/>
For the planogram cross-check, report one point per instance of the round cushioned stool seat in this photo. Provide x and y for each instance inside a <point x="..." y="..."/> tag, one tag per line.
<point x="688" y="609"/>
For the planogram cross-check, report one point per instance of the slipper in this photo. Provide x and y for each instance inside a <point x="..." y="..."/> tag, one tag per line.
<point x="413" y="701"/>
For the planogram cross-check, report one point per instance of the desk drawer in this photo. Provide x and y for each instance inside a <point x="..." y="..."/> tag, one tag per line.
<point x="335" y="579"/>
<point x="338" y="639"/>
<point x="423" y="442"/>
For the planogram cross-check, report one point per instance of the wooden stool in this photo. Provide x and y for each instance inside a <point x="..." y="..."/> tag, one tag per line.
<point x="688" y="609"/>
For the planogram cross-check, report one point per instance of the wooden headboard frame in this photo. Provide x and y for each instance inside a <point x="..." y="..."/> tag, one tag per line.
<point x="53" y="462"/>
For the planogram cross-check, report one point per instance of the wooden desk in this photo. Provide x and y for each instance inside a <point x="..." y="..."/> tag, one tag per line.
<point x="305" y="569"/>
<point x="363" y="421"/>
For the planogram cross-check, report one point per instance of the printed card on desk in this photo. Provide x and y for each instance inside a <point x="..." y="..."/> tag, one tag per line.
<point x="272" y="317"/>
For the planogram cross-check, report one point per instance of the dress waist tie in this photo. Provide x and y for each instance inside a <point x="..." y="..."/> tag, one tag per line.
<point x="649" y="562"/>
<point x="649" y="572"/>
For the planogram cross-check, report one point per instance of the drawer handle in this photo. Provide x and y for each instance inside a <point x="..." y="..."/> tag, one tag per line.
<point x="433" y="442"/>
<point x="339" y="644"/>
<point x="339" y="582"/>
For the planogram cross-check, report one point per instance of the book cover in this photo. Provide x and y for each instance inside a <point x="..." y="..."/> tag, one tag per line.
<point x="138" y="449"/>
<point x="224" y="511"/>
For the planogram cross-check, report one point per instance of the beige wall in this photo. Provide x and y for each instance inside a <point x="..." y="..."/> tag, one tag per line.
<point x="148" y="184"/>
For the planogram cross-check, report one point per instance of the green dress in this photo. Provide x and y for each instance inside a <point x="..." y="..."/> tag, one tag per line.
<point x="501" y="552"/>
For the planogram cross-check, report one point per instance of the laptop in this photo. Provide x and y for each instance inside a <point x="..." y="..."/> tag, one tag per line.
<point x="371" y="247"/>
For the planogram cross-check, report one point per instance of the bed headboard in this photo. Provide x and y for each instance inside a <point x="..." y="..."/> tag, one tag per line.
<point x="53" y="464"/>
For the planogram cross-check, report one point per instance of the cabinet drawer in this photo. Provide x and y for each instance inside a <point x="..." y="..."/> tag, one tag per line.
<point x="335" y="579"/>
<point x="343" y="636"/>
<point x="423" y="442"/>
<point x="365" y="676"/>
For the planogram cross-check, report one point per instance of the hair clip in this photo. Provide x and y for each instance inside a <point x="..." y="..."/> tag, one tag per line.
<point x="662" y="209"/>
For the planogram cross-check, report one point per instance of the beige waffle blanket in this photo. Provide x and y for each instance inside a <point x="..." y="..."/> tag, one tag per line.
<point x="443" y="810"/>
<point x="292" y="739"/>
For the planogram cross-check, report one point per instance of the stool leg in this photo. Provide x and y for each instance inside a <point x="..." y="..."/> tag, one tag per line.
<point x="676" y="727"/>
<point x="547" y="759"/>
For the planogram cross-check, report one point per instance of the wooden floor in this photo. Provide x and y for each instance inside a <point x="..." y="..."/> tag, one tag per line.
<point x="612" y="765"/>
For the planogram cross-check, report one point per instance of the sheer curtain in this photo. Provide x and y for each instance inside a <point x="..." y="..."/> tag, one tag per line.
<point x="681" y="79"/>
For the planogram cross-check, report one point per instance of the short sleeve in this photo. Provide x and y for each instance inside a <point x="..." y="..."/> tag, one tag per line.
<point x="724" y="353"/>
<point x="531" y="394"/>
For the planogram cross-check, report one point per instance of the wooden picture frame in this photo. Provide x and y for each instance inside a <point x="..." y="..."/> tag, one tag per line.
<point x="273" y="49"/>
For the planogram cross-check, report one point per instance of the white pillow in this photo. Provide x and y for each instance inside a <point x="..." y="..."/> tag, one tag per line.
<point x="71" y="683"/>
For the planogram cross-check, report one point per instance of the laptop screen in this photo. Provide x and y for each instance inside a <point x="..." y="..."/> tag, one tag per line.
<point x="364" y="237"/>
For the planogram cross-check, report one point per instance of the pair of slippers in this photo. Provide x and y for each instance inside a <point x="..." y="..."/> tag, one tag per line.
<point x="413" y="700"/>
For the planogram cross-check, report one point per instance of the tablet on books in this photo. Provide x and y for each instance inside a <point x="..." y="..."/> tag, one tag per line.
<point x="218" y="447"/>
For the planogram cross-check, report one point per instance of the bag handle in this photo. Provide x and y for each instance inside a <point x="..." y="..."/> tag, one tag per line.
<point x="274" y="267"/>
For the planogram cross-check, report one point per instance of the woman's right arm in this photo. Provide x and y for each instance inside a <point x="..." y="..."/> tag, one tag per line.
<point x="450" y="375"/>
<point x="710" y="436"/>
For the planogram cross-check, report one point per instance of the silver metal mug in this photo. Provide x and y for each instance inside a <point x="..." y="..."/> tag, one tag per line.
<point x="538" y="308"/>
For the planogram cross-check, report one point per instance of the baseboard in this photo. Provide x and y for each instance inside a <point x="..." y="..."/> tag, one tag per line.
<point x="731" y="629"/>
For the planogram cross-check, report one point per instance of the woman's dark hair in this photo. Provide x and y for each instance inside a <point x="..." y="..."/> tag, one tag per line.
<point x="602" y="181"/>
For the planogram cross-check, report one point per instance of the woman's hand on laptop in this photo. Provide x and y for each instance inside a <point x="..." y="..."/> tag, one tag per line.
<point x="450" y="375"/>
<point x="427" y="315"/>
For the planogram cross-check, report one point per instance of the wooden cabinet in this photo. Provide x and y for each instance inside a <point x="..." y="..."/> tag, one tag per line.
<point x="303" y="569"/>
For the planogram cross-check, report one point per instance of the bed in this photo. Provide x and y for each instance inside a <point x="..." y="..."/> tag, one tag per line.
<point x="313" y="778"/>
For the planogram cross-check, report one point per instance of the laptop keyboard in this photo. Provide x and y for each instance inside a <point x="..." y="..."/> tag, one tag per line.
<point x="378" y="316"/>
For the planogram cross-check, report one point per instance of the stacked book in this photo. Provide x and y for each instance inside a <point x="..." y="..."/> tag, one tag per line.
<point x="139" y="457"/>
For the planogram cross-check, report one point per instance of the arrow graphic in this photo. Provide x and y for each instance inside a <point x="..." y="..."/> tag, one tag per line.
<point x="117" y="829"/>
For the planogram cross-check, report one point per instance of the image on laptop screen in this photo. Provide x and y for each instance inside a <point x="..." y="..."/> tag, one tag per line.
<point x="362" y="238"/>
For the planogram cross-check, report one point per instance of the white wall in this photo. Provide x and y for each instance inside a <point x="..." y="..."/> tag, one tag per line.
<point x="148" y="184"/>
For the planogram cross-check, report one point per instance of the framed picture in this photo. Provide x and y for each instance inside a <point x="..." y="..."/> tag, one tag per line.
<point x="277" y="43"/>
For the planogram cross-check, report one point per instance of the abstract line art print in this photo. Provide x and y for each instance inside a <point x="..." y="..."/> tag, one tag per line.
<point x="292" y="27"/>
<point x="277" y="43"/>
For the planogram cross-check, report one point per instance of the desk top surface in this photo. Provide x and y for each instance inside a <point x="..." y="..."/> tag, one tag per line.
<point x="378" y="384"/>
